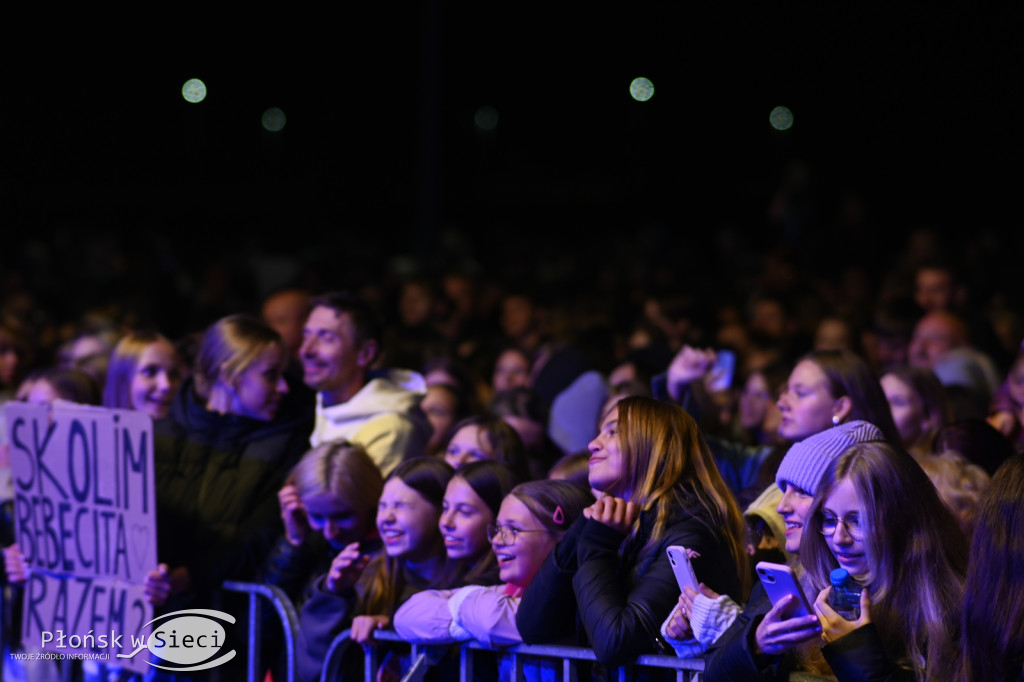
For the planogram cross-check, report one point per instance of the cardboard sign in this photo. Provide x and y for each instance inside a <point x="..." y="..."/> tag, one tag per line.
<point x="85" y="516"/>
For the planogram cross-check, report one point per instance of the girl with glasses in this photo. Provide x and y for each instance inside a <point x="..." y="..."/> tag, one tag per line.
<point x="531" y="520"/>
<point x="470" y="506"/>
<point x="878" y="516"/>
<point x="768" y="641"/>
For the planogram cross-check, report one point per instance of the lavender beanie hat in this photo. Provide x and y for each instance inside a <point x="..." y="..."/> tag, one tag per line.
<point x="805" y="463"/>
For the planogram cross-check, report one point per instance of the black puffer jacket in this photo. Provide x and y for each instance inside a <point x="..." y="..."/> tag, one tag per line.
<point x="586" y="594"/>
<point x="217" y="478"/>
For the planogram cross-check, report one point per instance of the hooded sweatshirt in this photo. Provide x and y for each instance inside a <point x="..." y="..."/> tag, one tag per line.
<point x="384" y="417"/>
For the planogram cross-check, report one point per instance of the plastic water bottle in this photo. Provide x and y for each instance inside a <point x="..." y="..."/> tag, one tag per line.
<point x="844" y="597"/>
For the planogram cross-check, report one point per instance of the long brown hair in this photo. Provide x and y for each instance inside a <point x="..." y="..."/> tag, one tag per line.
<point x="848" y="375"/>
<point x="429" y="477"/>
<point x="992" y="642"/>
<point x="915" y="549"/>
<point x="491" y="481"/>
<point x="669" y="466"/>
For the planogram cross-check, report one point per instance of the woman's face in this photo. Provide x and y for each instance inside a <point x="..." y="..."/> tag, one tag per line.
<point x="439" y="406"/>
<point x="795" y="509"/>
<point x="464" y="520"/>
<point x="259" y="388"/>
<point x="511" y="371"/>
<point x="156" y="380"/>
<point x="334" y="519"/>
<point x="907" y="409"/>
<point x="519" y="561"/>
<point x="468" y="445"/>
<point x="755" y="399"/>
<point x="607" y="463"/>
<point x="844" y="503"/>
<point x="806" y="406"/>
<point x="407" y="522"/>
<point x="42" y="392"/>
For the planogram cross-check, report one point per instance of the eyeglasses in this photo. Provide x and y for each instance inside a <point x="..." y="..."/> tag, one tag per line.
<point x="507" y="534"/>
<point x="851" y="523"/>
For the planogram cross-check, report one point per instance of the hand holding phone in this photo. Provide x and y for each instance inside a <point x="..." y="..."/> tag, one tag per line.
<point x="789" y="622"/>
<point x="721" y="374"/>
<point x="779" y="581"/>
<point x="679" y="557"/>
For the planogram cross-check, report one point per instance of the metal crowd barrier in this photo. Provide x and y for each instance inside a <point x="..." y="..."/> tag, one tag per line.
<point x="511" y="660"/>
<point x="289" y="626"/>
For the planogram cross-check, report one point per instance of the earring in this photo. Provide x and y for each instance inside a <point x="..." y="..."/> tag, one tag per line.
<point x="835" y="420"/>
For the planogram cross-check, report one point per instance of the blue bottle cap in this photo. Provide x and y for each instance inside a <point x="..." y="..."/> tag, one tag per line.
<point x="839" y="576"/>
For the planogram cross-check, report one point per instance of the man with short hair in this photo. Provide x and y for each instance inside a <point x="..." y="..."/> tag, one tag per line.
<point x="377" y="410"/>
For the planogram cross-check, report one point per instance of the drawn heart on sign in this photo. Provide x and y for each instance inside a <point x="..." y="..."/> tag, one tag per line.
<point x="140" y="547"/>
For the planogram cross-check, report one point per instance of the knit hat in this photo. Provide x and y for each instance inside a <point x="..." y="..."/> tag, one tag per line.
<point x="805" y="463"/>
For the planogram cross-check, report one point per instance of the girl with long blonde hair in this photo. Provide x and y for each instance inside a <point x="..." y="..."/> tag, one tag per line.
<point x="610" y="576"/>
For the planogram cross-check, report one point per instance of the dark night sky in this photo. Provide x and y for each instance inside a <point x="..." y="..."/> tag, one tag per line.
<point x="919" y="108"/>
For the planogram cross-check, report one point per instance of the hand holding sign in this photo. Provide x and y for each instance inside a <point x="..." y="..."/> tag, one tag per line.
<point x="15" y="565"/>
<point x="85" y="513"/>
<point x="157" y="586"/>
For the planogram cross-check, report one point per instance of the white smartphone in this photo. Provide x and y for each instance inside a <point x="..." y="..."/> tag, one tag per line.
<point x="778" y="581"/>
<point x="682" y="567"/>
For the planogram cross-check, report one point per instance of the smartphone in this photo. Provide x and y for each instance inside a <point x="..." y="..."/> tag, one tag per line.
<point x="778" y="581"/>
<point x="682" y="567"/>
<point x="721" y="374"/>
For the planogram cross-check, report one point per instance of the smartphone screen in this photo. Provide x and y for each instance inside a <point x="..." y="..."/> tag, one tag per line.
<point x="721" y="374"/>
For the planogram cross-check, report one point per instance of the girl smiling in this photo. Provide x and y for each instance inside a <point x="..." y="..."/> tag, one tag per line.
<point x="532" y="519"/>
<point x="910" y="559"/>
<point x="609" y="580"/>
<point x="414" y="559"/>
<point x="470" y="505"/>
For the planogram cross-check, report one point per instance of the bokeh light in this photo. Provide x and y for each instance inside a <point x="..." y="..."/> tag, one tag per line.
<point x="641" y="89"/>
<point x="194" y="90"/>
<point x="486" y="118"/>
<point x="273" y="120"/>
<point x="781" y="118"/>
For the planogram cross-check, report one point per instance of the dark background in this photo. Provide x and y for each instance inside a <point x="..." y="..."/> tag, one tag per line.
<point x="114" y="186"/>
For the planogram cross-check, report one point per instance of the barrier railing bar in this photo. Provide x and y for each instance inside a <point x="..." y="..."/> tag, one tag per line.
<point x="517" y="667"/>
<point x="289" y="624"/>
<point x="254" y="635"/>
<point x="687" y="669"/>
<point x="418" y="668"/>
<point x="465" y="665"/>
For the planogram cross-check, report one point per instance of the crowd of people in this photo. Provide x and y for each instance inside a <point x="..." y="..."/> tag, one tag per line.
<point x="405" y="461"/>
